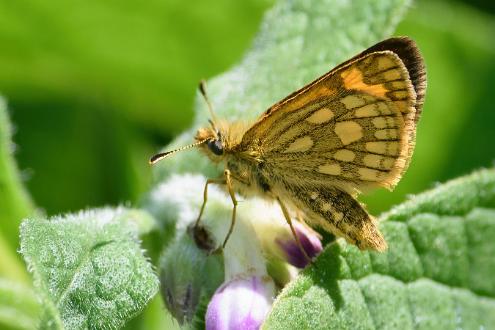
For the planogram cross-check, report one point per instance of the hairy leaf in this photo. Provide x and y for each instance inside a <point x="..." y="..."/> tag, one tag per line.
<point x="88" y="268"/>
<point x="436" y="274"/>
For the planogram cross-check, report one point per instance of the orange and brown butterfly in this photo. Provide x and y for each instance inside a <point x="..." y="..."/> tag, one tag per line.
<point x="351" y="130"/>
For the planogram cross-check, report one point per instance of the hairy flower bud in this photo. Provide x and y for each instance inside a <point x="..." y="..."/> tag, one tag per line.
<point x="187" y="274"/>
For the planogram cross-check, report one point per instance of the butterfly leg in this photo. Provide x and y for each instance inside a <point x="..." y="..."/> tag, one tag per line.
<point x="230" y="188"/>
<point x="289" y="221"/>
<point x="205" y="197"/>
<point x="227" y="180"/>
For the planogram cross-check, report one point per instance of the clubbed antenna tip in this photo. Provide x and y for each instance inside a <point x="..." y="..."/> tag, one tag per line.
<point x="156" y="158"/>
<point x="202" y="90"/>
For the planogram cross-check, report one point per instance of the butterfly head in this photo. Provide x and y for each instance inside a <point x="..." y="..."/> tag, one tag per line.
<point x="214" y="144"/>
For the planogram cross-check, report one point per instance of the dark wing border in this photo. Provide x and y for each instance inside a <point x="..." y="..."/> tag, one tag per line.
<point x="408" y="52"/>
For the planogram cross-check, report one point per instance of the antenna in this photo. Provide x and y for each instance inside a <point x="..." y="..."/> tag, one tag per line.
<point x="156" y="158"/>
<point x="202" y="89"/>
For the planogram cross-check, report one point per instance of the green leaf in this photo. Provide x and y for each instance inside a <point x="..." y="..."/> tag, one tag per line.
<point x="16" y="203"/>
<point x="436" y="274"/>
<point x="298" y="42"/>
<point x="19" y="307"/>
<point x="88" y="268"/>
<point x="456" y="197"/>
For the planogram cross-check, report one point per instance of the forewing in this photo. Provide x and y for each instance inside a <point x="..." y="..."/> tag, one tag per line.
<point x="353" y="128"/>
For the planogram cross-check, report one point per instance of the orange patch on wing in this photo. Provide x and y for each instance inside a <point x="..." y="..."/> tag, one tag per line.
<point x="353" y="79"/>
<point x="311" y="95"/>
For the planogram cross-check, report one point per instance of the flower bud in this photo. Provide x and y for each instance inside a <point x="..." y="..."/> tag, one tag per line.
<point x="241" y="303"/>
<point x="187" y="274"/>
<point x="310" y="242"/>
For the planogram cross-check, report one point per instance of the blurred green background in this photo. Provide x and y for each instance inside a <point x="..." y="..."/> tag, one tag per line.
<point x="95" y="87"/>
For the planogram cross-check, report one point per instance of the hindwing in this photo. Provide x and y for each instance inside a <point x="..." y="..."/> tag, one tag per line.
<point x="337" y="212"/>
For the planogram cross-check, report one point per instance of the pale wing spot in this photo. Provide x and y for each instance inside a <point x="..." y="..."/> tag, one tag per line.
<point x="384" y="108"/>
<point x="392" y="75"/>
<point x="393" y="148"/>
<point x="353" y="79"/>
<point x="332" y="169"/>
<point x="314" y="195"/>
<point x="352" y="101"/>
<point x="388" y="163"/>
<point x="384" y="134"/>
<point x="378" y="161"/>
<point x="398" y="84"/>
<point x="400" y="94"/>
<point x="391" y="122"/>
<point x="369" y="174"/>
<point x="368" y="110"/>
<point x="300" y="145"/>
<point x="372" y="160"/>
<point x="321" y="116"/>
<point x="384" y="148"/>
<point x="384" y="122"/>
<point x="325" y="207"/>
<point x="377" y="147"/>
<point x="379" y="122"/>
<point x="385" y="62"/>
<point x="348" y="131"/>
<point x="345" y="155"/>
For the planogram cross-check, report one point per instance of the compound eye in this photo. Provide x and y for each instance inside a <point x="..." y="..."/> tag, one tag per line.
<point x="216" y="147"/>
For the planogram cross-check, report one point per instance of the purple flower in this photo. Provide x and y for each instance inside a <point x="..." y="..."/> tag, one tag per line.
<point x="309" y="240"/>
<point x="241" y="303"/>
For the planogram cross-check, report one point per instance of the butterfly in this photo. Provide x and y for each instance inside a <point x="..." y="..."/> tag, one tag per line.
<point x="349" y="131"/>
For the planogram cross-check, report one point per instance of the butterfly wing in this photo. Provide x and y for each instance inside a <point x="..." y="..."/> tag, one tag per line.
<point x="348" y="131"/>
<point x="353" y="128"/>
<point x="337" y="212"/>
